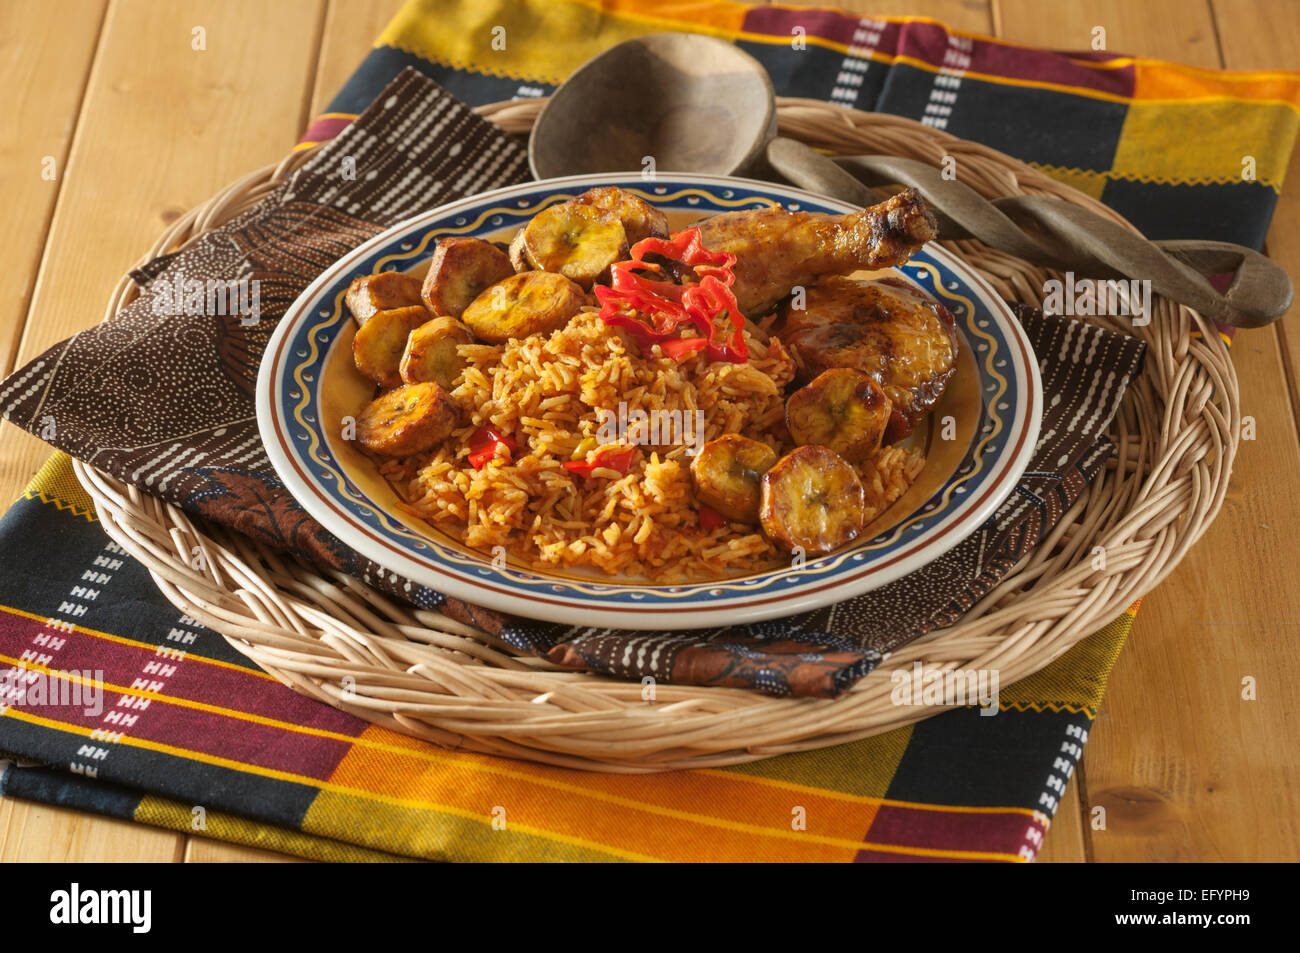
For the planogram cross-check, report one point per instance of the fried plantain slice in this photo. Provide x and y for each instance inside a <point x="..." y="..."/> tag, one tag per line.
<point x="640" y="219"/>
<point x="379" y="343"/>
<point x="461" y="268"/>
<point x="408" y="419"/>
<point x="728" y="475"/>
<point x="531" y="302"/>
<point x="518" y="258"/>
<point x="577" y="241"/>
<point x="431" y="352"/>
<point x="843" y="409"/>
<point x="812" y="499"/>
<point x="386" y="291"/>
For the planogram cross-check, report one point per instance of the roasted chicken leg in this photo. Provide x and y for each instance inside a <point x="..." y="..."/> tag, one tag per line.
<point x="777" y="249"/>
<point x="885" y="328"/>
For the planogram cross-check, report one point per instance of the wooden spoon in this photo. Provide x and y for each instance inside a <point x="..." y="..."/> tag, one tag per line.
<point x="1059" y="234"/>
<point x="682" y="101"/>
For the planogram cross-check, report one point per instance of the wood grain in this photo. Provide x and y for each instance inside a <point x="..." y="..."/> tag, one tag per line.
<point x="162" y="127"/>
<point x="42" y="832"/>
<point x="44" y="74"/>
<point x="971" y="16"/>
<point x="1178" y="30"/>
<point x="349" y="34"/>
<point x="1185" y="768"/>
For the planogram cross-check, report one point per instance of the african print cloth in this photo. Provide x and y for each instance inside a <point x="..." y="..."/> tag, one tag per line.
<point x="185" y="429"/>
<point x="188" y="735"/>
<point x="131" y="709"/>
<point x="1180" y="151"/>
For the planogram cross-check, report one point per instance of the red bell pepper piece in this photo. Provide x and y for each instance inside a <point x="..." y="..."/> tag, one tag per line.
<point x="483" y="445"/>
<point x="710" y="518"/>
<point x="611" y="456"/>
<point x="685" y="247"/>
<point x="625" y="278"/>
<point x="648" y="316"/>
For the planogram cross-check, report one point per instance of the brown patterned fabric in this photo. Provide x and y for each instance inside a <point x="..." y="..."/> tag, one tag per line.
<point x="165" y="401"/>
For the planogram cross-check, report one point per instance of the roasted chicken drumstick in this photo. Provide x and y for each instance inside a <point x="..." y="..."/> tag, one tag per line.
<point x="883" y="327"/>
<point x="777" y="250"/>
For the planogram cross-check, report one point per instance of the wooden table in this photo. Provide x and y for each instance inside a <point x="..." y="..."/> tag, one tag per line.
<point x="140" y="127"/>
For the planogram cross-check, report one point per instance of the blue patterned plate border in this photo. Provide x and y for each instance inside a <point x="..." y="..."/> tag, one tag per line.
<point x="299" y="446"/>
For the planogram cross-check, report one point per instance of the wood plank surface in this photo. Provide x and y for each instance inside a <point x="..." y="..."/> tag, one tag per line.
<point x="161" y="127"/>
<point x="1178" y="30"/>
<point x="350" y="32"/>
<point x="45" y="833"/>
<point x="44" y="73"/>
<point x="143" y="127"/>
<point x="1187" y="769"/>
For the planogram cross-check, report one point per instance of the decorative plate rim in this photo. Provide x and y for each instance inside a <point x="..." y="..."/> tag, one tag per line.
<point x="309" y="326"/>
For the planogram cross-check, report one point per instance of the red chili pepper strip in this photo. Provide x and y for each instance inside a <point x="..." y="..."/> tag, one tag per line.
<point x="624" y="278"/>
<point x="655" y="311"/>
<point x="611" y="456"/>
<point x="681" y="348"/>
<point x="483" y="445"/>
<point x="710" y="518"/>
<point x="685" y="247"/>
<point x="644" y="313"/>
<point x="718" y="315"/>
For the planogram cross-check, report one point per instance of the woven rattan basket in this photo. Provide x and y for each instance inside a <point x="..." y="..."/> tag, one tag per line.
<point x="334" y="639"/>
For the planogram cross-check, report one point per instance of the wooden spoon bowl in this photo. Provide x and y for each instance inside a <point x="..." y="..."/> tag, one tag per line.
<point x="691" y="103"/>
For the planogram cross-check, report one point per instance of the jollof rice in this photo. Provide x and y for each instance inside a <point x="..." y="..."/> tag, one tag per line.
<point x="545" y="391"/>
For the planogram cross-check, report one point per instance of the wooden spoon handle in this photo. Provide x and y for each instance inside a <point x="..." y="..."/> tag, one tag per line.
<point x="1057" y="234"/>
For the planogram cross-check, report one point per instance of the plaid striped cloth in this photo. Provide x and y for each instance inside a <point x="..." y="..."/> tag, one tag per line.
<point x="151" y="717"/>
<point x="188" y="735"/>
<point x="1181" y="152"/>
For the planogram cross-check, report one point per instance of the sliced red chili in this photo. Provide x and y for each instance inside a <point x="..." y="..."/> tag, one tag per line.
<point x="681" y="348"/>
<point x="718" y="315"/>
<point x="648" y="316"/>
<point x="483" y="445"/>
<point x="655" y="311"/>
<point x="634" y="277"/>
<point x="611" y="456"/>
<point x="685" y="247"/>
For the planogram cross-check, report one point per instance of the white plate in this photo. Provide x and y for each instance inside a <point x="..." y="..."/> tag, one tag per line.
<point x="994" y="399"/>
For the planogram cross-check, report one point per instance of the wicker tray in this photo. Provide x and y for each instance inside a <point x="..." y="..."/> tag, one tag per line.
<point x="334" y="639"/>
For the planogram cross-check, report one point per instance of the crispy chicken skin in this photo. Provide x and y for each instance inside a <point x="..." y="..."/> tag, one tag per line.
<point x="777" y="249"/>
<point x="883" y="327"/>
